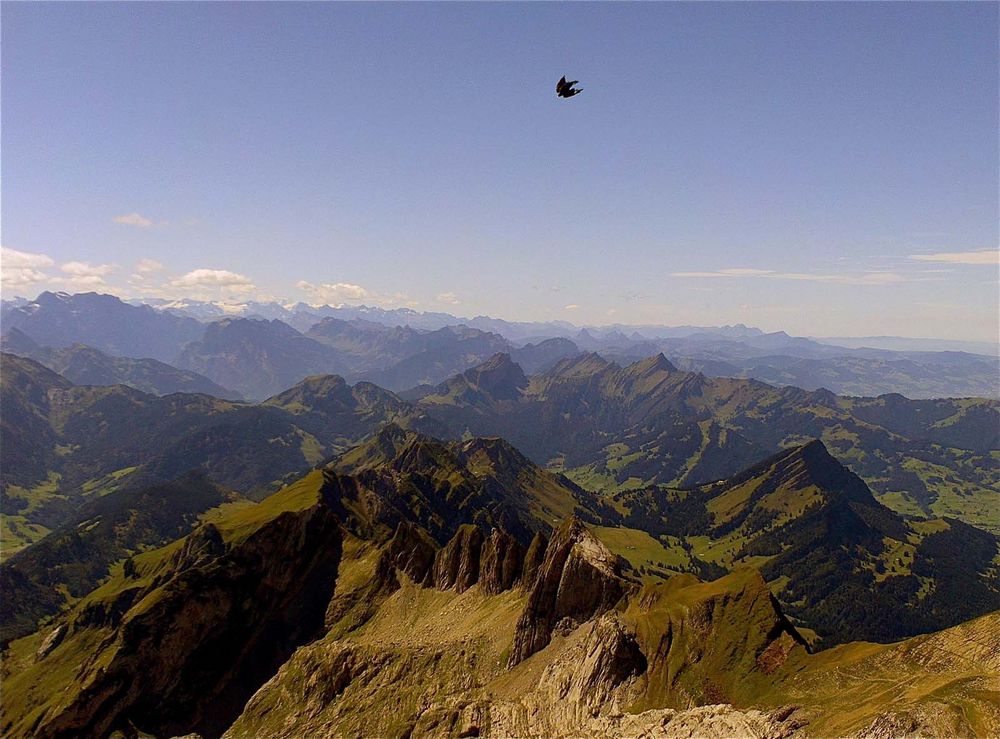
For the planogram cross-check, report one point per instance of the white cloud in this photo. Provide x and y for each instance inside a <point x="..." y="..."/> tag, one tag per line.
<point x="449" y="298"/>
<point x="984" y="256"/>
<point x="85" y="269"/>
<point x="14" y="259"/>
<point x="146" y="266"/>
<point x="214" y="278"/>
<point x="338" y="293"/>
<point x="734" y="272"/>
<point x="21" y="277"/>
<point x="353" y="292"/>
<point x="747" y="272"/>
<point x="134" y="219"/>
<point x="571" y="306"/>
<point x="881" y="278"/>
<point x="22" y="269"/>
<point x="864" y="278"/>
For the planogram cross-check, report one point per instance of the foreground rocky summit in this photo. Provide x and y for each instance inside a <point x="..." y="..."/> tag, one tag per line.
<point x="414" y="588"/>
<point x="572" y="648"/>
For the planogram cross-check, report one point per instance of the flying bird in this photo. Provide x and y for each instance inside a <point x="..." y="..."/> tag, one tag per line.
<point x="565" y="89"/>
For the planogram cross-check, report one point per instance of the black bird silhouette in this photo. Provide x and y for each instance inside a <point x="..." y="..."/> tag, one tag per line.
<point x="565" y="89"/>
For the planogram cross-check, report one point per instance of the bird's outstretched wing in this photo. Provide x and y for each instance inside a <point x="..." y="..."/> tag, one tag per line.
<point x="561" y="84"/>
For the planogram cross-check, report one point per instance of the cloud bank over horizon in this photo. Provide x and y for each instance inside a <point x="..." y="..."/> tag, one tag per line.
<point x="26" y="274"/>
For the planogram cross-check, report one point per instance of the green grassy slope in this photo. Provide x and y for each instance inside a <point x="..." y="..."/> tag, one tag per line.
<point x="841" y="563"/>
<point x="614" y="428"/>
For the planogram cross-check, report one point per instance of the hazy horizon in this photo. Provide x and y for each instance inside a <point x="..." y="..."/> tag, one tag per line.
<point x="416" y="156"/>
<point x="874" y="341"/>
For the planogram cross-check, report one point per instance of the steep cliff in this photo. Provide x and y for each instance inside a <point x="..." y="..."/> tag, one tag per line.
<point x="578" y="578"/>
<point x="183" y="636"/>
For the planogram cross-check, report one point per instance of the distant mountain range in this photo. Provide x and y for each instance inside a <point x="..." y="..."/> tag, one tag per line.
<point x="255" y="350"/>
<point x="607" y="427"/>
<point x="84" y="365"/>
<point x="622" y="437"/>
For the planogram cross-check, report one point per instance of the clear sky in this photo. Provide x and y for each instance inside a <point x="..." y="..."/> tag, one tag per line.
<point x="825" y="169"/>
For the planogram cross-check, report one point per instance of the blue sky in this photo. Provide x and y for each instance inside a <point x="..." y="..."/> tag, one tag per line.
<point x="825" y="169"/>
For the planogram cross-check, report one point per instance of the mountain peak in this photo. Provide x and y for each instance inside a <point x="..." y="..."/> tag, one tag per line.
<point x="651" y="365"/>
<point x="502" y="457"/>
<point x="812" y="464"/>
<point x="499" y="376"/>
<point x="308" y="390"/>
<point x="500" y="360"/>
<point x="582" y="365"/>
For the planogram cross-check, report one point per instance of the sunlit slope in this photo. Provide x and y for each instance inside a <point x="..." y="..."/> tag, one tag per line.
<point x="179" y="637"/>
<point x="610" y="428"/>
<point x="944" y="684"/>
<point x="842" y="564"/>
<point x="329" y="608"/>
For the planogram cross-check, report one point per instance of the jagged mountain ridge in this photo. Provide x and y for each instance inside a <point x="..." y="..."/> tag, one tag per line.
<point x="612" y="427"/>
<point x="400" y="476"/>
<point x="602" y="652"/>
<point x="386" y="347"/>
<point x="812" y="526"/>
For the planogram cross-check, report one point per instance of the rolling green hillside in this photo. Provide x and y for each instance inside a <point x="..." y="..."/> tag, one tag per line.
<point x="63" y="444"/>
<point x="613" y="428"/>
<point x="841" y="563"/>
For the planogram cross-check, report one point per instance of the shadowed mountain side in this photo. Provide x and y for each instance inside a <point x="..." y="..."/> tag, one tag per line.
<point x="615" y="428"/>
<point x="180" y="637"/>
<point x="72" y="560"/>
<point x="840" y="562"/>
<point x="401" y="357"/>
<point x="258" y="358"/>
<point x="63" y="444"/>
<point x="84" y="365"/>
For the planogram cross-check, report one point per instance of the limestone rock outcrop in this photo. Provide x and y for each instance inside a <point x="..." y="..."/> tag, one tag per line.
<point x="456" y="566"/>
<point x="533" y="559"/>
<point x="500" y="563"/>
<point x="578" y="579"/>
<point x="412" y="551"/>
